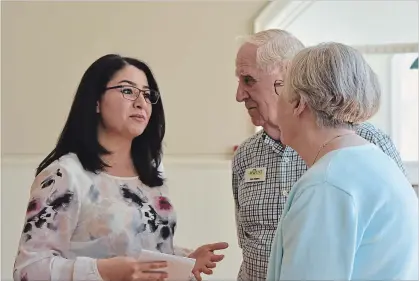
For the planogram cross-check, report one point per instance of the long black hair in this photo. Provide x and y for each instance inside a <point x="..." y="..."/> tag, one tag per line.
<point x="80" y="134"/>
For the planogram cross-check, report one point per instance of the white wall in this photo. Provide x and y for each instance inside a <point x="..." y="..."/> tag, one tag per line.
<point x="381" y="64"/>
<point x="357" y="22"/>
<point x="191" y="47"/>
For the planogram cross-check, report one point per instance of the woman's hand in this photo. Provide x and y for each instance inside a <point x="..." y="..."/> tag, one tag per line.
<point x="206" y="259"/>
<point x="129" y="269"/>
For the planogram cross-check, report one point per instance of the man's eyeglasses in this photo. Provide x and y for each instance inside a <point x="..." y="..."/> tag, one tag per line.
<point x="132" y="93"/>
<point x="277" y="85"/>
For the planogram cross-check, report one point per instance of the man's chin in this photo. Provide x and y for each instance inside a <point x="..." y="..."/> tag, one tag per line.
<point x="257" y="122"/>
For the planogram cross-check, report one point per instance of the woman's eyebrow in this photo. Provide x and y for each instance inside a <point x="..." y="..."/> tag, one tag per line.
<point x="127" y="81"/>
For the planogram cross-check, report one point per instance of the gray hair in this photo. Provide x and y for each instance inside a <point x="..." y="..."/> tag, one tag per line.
<point x="273" y="47"/>
<point x="336" y="82"/>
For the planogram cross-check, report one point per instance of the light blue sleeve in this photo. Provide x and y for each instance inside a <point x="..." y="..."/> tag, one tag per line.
<point x="319" y="235"/>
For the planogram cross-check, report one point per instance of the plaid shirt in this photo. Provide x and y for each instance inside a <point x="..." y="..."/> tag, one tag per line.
<point x="259" y="204"/>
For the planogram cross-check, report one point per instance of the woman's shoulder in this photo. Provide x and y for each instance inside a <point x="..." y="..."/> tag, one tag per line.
<point x="338" y="167"/>
<point x="360" y="168"/>
<point x="68" y="169"/>
<point x="68" y="162"/>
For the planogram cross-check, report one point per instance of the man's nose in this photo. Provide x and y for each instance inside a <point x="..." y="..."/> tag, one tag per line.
<point x="241" y="94"/>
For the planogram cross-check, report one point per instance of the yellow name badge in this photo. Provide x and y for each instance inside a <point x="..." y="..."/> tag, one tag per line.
<point x="255" y="174"/>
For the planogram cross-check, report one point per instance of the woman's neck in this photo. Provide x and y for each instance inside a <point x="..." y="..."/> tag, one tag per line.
<point x="119" y="160"/>
<point x="314" y="143"/>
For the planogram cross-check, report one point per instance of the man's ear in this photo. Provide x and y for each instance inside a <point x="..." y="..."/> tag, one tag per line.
<point x="299" y="105"/>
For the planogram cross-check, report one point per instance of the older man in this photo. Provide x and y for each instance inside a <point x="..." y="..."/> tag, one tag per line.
<point x="264" y="170"/>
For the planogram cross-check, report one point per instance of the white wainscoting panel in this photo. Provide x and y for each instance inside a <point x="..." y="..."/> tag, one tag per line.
<point x="200" y="190"/>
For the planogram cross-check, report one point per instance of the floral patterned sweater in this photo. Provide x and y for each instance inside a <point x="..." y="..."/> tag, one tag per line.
<point x="75" y="217"/>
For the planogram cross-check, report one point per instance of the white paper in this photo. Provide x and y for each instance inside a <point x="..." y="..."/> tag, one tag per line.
<point x="178" y="268"/>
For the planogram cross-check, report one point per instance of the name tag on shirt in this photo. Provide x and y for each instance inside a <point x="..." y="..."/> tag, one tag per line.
<point x="255" y="174"/>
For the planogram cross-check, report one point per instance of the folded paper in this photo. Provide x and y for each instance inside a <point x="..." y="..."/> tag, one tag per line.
<point x="178" y="268"/>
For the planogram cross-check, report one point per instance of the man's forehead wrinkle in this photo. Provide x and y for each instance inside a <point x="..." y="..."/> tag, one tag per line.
<point x="246" y="62"/>
<point x="251" y="73"/>
<point x="247" y="53"/>
<point x="246" y="69"/>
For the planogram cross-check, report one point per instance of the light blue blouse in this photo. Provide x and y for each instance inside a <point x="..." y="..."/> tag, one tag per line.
<point x="352" y="216"/>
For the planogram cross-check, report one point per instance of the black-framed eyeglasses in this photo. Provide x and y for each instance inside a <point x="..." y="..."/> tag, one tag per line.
<point x="277" y="84"/>
<point x="132" y="93"/>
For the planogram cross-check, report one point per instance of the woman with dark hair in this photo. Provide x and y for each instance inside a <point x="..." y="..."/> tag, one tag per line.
<point x="99" y="197"/>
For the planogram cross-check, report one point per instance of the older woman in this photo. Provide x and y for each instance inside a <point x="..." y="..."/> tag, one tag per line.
<point x="353" y="215"/>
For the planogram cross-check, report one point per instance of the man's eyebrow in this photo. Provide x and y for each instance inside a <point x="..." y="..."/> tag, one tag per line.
<point x="244" y="74"/>
<point x="248" y="76"/>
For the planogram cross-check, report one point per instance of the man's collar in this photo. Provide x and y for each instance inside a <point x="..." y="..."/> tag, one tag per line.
<point x="277" y="145"/>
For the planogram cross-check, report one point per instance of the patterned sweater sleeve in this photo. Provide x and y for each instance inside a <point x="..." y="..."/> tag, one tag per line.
<point x="50" y="220"/>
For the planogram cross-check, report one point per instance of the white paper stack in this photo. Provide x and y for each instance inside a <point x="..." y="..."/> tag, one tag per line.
<point x="178" y="268"/>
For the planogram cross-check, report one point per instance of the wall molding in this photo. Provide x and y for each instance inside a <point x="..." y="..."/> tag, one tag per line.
<point x="192" y="162"/>
<point x="280" y="14"/>
<point x="395" y="48"/>
<point x="201" y="161"/>
<point x="267" y="15"/>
